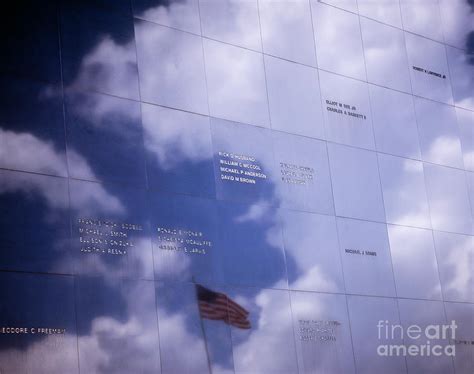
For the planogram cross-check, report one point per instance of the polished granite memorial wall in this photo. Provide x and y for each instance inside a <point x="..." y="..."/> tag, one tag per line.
<point x="313" y="161"/>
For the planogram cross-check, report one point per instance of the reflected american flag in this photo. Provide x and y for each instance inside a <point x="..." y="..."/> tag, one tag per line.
<point x="217" y="306"/>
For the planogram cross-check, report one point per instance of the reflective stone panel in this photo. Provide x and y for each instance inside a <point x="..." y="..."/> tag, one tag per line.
<point x="117" y="326"/>
<point x="31" y="127"/>
<point x="455" y="254"/>
<point x="178" y="150"/>
<point x="109" y="231"/>
<point x="35" y="223"/>
<point x="422" y="17"/>
<point x="189" y="342"/>
<point x="231" y="21"/>
<point x="365" y="255"/>
<point x="236" y="84"/>
<point x="104" y="138"/>
<point x="355" y="183"/>
<point x="439" y="133"/>
<point x="422" y="314"/>
<point x="430" y="76"/>
<point x="448" y="198"/>
<point x="457" y="21"/>
<point x="322" y="333"/>
<point x="30" y="39"/>
<point x="385" y="55"/>
<point x="414" y="262"/>
<point x="304" y="182"/>
<point x="366" y="314"/>
<point x="334" y="27"/>
<point x="178" y="14"/>
<point x="350" y="5"/>
<point x="98" y="50"/>
<point x="346" y="108"/>
<point x="184" y="237"/>
<point x="287" y="30"/>
<point x="404" y="191"/>
<point x="294" y="98"/>
<point x="38" y="325"/>
<point x="461" y="68"/>
<point x="268" y="346"/>
<point x="466" y="125"/>
<point x="312" y="252"/>
<point x="250" y="245"/>
<point x="385" y="11"/>
<point x="171" y="67"/>
<point x="243" y="162"/>
<point x="462" y="315"/>
<point x="394" y="121"/>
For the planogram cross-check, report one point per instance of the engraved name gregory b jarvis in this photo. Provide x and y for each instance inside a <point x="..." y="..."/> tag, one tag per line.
<point x="425" y="341"/>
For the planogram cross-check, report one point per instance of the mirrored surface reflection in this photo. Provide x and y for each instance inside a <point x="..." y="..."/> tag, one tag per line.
<point x="365" y="314"/>
<point x="466" y="125"/>
<point x="42" y="306"/>
<point x="250" y="246"/>
<point x="395" y="127"/>
<point x="461" y="68"/>
<point x="294" y="98"/>
<point x="312" y="252"/>
<point x="449" y="199"/>
<point x="455" y="254"/>
<point x="414" y="262"/>
<point x="171" y="67"/>
<point x="424" y="313"/>
<point x="458" y="22"/>
<point x="430" y="76"/>
<point x="365" y="255"/>
<point x="350" y="5"/>
<point x="386" y="11"/>
<point x="184" y="237"/>
<point x="117" y="326"/>
<point x="346" y="108"/>
<point x="104" y="138"/>
<point x="287" y="30"/>
<point x="356" y="183"/>
<point x="98" y="50"/>
<point x="243" y="162"/>
<point x="439" y="133"/>
<point x="422" y="17"/>
<point x="304" y="182"/>
<point x="179" y="14"/>
<point x="236" y="84"/>
<point x="463" y="315"/>
<point x="31" y="51"/>
<point x="35" y="223"/>
<point x="179" y="151"/>
<point x="268" y="346"/>
<point x="31" y="127"/>
<point x="322" y="333"/>
<point x="232" y="21"/>
<point x="190" y="342"/>
<point x="404" y="192"/>
<point x="109" y="231"/>
<point x="338" y="41"/>
<point x="470" y="186"/>
<point x="385" y="55"/>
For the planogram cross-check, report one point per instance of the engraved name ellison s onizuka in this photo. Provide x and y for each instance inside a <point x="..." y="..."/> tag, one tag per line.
<point x="182" y="240"/>
<point x="239" y="168"/>
<point x="105" y="236"/>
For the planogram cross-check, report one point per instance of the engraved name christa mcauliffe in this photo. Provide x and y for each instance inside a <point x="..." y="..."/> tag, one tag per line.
<point x="240" y="168"/>
<point x="106" y="236"/>
<point x="182" y="240"/>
